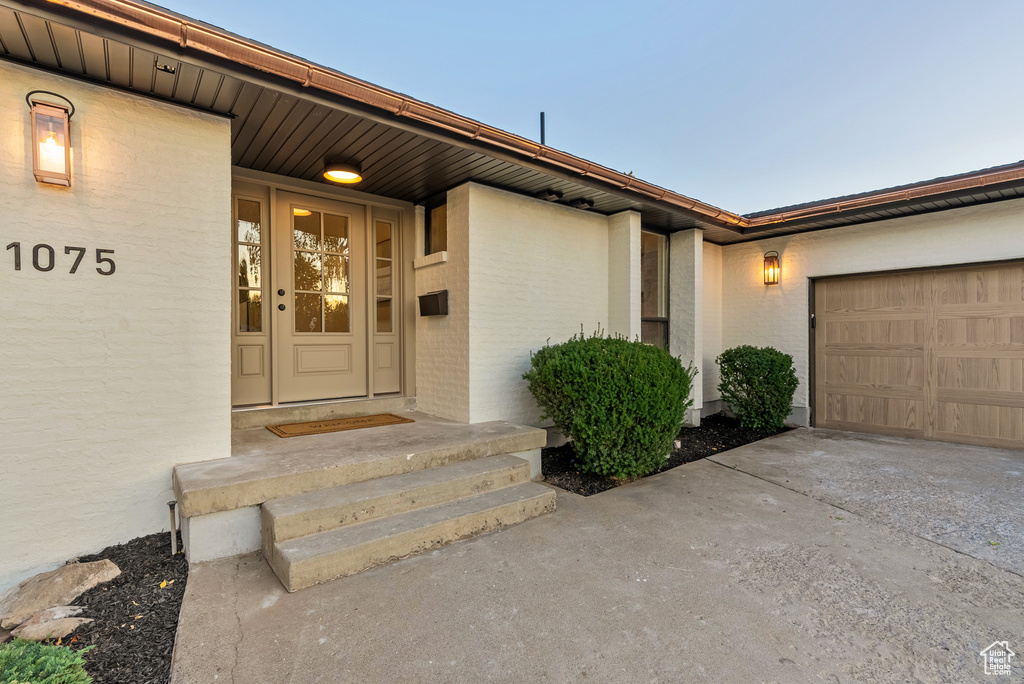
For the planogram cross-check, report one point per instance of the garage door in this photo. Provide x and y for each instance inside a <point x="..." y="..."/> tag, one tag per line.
<point x="933" y="354"/>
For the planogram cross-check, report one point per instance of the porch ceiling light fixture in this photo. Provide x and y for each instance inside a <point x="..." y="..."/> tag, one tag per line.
<point x="339" y="172"/>
<point x="301" y="212"/>
<point x="549" y="195"/>
<point x="582" y="203"/>
<point x="51" y="138"/>
<point x="771" y="268"/>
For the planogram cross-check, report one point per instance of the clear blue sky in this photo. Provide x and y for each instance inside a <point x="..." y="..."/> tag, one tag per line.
<point x="744" y="104"/>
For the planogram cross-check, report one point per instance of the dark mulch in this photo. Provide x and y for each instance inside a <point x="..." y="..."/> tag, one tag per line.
<point x="135" y="619"/>
<point x="717" y="433"/>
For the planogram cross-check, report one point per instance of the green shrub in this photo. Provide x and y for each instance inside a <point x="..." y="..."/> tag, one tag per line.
<point x="34" y="663"/>
<point x="758" y="385"/>
<point x="620" y="402"/>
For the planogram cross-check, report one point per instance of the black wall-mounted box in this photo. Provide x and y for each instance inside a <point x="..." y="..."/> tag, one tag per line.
<point x="434" y="303"/>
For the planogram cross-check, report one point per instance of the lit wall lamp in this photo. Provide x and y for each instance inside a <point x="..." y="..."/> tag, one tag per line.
<point x="771" y="268"/>
<point x="51" y="139"/>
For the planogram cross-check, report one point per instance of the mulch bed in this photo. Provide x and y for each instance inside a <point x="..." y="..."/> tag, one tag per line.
<point x="717" y="433"/>
<point x="135" y="619"/>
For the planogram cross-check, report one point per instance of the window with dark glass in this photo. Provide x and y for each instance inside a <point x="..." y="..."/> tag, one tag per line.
<point x="654" y="289"/>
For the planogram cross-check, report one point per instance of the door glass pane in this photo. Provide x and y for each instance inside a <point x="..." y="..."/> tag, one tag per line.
<point x="250" y="311"/>
<point x="307" y="313"/>
<point x="307" y="230"/>
<point x="383" y="278"/>
<point x="384" y="240"/>
<point x="383" y="315"/>
<point x="655" y="333"/>
<point x="335" y="233"/>
<point x="248" y="221"/>
<point x="248" y="266"/>
<point x="335" y="273"/>
<point x="307" y="271"/>
<point x="336" y="312"/>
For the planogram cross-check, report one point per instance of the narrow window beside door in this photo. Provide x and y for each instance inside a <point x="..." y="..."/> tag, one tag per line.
<point x="653" y="290"/>
<point x="249" y="261"/>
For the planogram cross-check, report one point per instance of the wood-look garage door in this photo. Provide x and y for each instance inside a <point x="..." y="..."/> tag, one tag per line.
<point x="935" y="354"/>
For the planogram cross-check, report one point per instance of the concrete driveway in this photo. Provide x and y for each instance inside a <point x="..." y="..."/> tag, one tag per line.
<point x="812" y="556"/>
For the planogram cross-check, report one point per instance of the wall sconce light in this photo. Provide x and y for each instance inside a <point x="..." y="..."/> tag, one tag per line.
<point x="342" y="173"/>
<point x="51" y="139"/>
<point x="771" y="268"/>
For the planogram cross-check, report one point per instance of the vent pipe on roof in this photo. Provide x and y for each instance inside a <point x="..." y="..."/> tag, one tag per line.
<point x="542" y="128"/>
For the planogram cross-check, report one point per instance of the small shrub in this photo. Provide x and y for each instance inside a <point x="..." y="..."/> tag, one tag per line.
<point x="758" y="384"/>
<point x="620" y="402"/>
<point x="28" y="661"/>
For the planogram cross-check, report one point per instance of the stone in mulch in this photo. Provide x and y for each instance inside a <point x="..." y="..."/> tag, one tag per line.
<point x="136" y="615"/>
<point x="54" y="588"/>
<point x="717" y="433"/>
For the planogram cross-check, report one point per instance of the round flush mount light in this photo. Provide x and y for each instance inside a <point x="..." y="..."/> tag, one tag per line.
<point x="342" y="173"/>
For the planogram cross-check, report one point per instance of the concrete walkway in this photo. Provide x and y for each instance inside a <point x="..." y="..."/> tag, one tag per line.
<point x="704" y="573"/>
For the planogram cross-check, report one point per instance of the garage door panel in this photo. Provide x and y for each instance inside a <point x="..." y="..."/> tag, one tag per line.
<point x="892" y="295"/>
<point x="957" y="372"/>
<point x="874" y="371"/>
<point x="880" y="413"/>
<point x="937" y="353"/>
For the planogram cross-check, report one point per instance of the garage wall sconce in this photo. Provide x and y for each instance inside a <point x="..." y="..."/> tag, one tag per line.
<point x="771" y="268"/>
<point x="51" y="138"/>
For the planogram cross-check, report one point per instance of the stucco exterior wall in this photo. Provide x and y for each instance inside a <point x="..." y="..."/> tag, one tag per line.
<point x="109" y="381"/>
<point x="712" y="328"/>
<point x="442" y="342"/>
<point x="538" y="271"/>
<point x="778" y="315"/>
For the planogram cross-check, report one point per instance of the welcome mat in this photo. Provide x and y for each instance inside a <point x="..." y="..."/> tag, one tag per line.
<point x="319" y="427"/>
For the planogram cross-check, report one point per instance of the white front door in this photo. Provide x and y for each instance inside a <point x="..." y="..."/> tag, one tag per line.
<point x="319" y="302"/>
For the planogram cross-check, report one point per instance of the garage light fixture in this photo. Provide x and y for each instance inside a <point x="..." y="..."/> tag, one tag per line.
<point x="771" y="268"/>
<point x="339" y="172"/>
<point x="51" y="139"/>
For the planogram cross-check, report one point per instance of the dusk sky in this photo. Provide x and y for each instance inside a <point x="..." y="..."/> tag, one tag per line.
<point x="747" y="105"/>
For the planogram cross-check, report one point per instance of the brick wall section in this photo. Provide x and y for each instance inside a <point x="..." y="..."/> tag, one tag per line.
<point x="778" y="315"/>
<point x="538" y="271"/>
<point x="109" y="381"/>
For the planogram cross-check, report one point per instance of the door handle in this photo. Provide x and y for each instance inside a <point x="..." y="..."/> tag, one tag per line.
<point x="280" y="307"/>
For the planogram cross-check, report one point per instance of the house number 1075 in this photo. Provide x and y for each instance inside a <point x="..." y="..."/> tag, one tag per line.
<point x="44" y="258"/>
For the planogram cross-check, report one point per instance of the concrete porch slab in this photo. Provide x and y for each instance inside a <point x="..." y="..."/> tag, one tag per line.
<point x="264" y="466"/>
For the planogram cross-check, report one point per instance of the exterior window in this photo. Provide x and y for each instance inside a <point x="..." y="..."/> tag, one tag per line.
<point x="249" y="265"/>
<point x="384" y="259"/>
<point x="436" y="236"/>
<point x="654" y="289"/>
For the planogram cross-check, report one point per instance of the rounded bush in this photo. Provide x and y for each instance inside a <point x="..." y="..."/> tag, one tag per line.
<point x="620" y="402"/>
<point x="35" y="663"/>
<point x="757" y="385"/>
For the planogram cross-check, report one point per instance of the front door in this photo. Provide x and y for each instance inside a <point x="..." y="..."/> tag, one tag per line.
<point x="319" y="302"/>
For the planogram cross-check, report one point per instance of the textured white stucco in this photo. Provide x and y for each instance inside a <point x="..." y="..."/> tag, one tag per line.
<point x="537" y="271"/>
<point x="109" y="381"/>
<point x="712" y="347"/>
<point x="778" y="315"/>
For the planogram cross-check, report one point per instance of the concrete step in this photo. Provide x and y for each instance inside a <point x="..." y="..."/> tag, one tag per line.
<point x="303" y="562"/>
<point x="327" y="509"/>
<point x="264" y="466"/>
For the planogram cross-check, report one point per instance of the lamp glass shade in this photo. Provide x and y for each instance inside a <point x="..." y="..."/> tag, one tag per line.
<point x="342" y="173"/>
<point x="51" y="148"/>
<point x="771" y="268"/>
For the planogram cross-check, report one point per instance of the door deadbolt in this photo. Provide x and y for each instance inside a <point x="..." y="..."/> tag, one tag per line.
<point x="280" y="307"/>
<point x="280" y="293"/>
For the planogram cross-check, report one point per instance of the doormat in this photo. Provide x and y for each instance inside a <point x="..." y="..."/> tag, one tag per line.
<point x="319" y="427"/>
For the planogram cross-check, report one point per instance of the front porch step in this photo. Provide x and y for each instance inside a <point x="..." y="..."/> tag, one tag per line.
<point x="327" y="509"/>
<point x="316" y="558"/>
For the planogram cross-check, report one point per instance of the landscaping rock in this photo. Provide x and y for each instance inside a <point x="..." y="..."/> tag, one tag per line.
<point x="55" y="588"/>
<point x="5" y="636"/>
<point x="50" y="629"/>
<point x="50" y="614"/>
